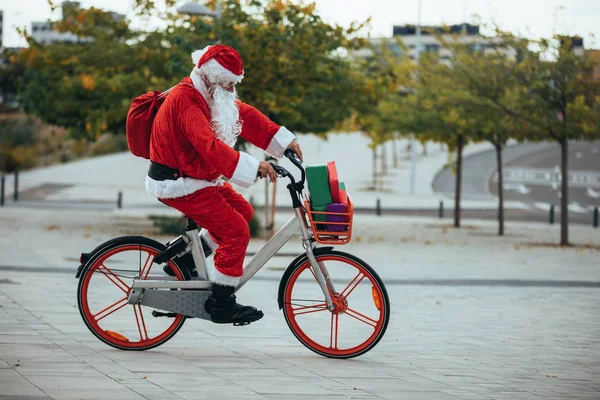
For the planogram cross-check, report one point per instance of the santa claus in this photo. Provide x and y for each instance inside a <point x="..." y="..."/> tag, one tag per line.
<point x="191" y="149"/>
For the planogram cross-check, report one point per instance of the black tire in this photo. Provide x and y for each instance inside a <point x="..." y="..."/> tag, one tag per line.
<point x="321" y="253"/>
<point x="109" y="246"/>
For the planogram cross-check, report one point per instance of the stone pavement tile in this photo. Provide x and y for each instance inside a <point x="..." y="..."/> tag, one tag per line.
<point x="150" y="391"/>
<point x="376" y="385"/>
<point x="88" y="394"/>
<point x="14" y="339"/>
<point x="147" y="366"/>
<point x="74" y="383"/>
<point x="425" y="395"/>
<point x="112" y="369"/>
<point x="69" y="369"/>
<point x="186" y="382"/>
<point x="225" y="394"/>
<point x="13" y="384"/>
<point x="4" y="365"/>
<point x="28" y="352"/>
<point x="19" y="397"/>
<point x="586" y="396"/>
<point x="280" y="386"/>
<point x="321" y="397"/>
<point x="270" y="373"/>
<point x="208" y="363"/>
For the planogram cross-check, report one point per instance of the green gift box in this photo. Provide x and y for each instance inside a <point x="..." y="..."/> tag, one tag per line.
<point x="318" y="185"/>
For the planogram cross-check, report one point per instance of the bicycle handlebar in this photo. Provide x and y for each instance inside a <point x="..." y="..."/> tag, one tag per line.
<point x="282" y="172"/>
<point x="293" y="157"/>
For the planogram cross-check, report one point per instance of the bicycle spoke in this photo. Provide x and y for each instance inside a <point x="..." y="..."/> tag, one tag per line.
<point x="333" y="338"/>
<point x="148" y="265"/>
<point x="352" y="285"/>
<point x="114" y="279"/>
<point x="310" y="309"/>
<point x="137" y="310"/>
<point x="313" y="273"/>
<point x="362" y="318"/>
<point x="124" y="299"/>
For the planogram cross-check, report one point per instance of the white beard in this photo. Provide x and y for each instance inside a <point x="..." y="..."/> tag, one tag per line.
<point x="225" y="115"/>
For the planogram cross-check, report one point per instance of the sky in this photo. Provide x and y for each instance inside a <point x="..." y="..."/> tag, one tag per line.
<point x="530" y="18"/>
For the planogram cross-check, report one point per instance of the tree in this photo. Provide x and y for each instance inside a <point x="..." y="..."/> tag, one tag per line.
<point x="434" y="107"/>
<point x="488" y="77"/>
<point x="293" y="67"/>
<point x="563" y="104"/>
<point x="379" y="78"/>
<point x="556" y="98"/>
<point x="11" y="73"/>
<point x="87" y="86"/>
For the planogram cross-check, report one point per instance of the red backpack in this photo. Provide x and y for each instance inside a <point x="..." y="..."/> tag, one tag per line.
<point x="140" y="117"/>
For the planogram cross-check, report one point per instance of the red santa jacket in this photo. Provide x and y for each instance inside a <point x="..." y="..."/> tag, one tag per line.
<point x="182" y="139"/>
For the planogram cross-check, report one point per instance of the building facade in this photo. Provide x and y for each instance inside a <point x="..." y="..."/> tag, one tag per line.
<point x="44" y="32"/>
<point x="429" y="42"/>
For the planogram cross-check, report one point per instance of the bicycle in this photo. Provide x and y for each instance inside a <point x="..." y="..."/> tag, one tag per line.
<point x="121" y="269"/>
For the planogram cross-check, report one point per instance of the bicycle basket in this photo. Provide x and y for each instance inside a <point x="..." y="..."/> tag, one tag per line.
<point x="331" y="227"/>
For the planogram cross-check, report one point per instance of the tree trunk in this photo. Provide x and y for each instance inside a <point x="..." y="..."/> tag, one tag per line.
<point x="374" y="168"/>
<point x="457" y="190"/>
<point x="425" y="148"/>
<point x="564" y="199"/>
<point x="498" y="146"/>
<point x="395" y="151"/>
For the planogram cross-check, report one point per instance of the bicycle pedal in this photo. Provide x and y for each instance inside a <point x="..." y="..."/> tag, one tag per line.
<point x="158" y="314"/>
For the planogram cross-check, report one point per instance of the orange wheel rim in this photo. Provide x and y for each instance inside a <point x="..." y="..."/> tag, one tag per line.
<point x="334" y="332"/>
<point x="138" y="322"/>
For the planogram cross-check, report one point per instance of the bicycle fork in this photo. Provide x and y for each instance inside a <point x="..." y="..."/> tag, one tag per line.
<point x="322" y="277"/>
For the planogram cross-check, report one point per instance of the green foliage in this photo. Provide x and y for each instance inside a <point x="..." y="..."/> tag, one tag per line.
<point x="176" y="225"/>
<point x="379" y="83"/>
<point x="16" y="142"/>
<point x="107" y="144"/>
<point x="255" y="227"/>
<point x="169" y="225"/>
<point x="293" y="72"/>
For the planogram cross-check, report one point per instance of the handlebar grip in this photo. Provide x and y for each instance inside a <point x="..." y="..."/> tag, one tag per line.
<point x="292" y="156"/>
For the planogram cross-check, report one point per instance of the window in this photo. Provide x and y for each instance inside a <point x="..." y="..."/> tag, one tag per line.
<point x="432" y="48"/>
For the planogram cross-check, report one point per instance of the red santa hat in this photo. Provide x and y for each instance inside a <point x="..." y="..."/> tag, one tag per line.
<point x="219" y="64"/>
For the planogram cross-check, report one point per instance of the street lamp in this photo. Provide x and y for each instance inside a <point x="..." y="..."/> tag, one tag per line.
<point x="196" y="9"/>
<point x="191" y="8"/>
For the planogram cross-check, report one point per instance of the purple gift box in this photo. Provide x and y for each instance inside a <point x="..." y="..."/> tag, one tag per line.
<point x="337" y="208"/>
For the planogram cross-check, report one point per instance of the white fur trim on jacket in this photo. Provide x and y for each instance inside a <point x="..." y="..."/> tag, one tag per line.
<point x="212" y="245"/>
<point x="169" y="189"/>
<point x="246" y="170"/>
<point x="216" y="276"/>
<point x="280" y="142"/>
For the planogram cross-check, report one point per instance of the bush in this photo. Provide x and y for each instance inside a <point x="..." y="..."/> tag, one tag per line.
<point x="255" y="227"/>
<point x="107" y="144"/>
<point x="169" y="225"/>
<point x="176" y="225"/>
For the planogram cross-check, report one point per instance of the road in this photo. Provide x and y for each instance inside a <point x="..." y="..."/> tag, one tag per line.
<point x="531" y="177"/>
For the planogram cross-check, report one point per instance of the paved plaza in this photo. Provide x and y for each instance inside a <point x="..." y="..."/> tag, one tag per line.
<point x="473" y="317"/>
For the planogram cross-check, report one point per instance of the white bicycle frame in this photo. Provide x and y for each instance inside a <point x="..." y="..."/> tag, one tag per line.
<point x="266" y="252"/>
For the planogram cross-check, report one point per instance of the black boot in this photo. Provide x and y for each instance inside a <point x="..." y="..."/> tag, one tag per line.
<point x="223" y="308"/>
<point x="191" y="266"/>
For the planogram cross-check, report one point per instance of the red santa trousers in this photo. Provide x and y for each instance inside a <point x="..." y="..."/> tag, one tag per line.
<point x="225" y="214"/>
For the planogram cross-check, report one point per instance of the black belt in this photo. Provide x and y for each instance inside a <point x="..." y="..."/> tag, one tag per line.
<point x="160" y="172"/>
